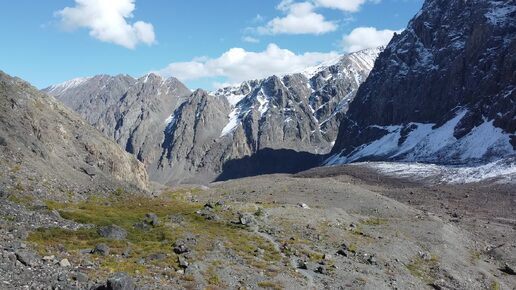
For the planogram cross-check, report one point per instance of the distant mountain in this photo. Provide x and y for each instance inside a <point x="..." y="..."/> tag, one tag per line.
<point x="185" y="137"/>
<point x="444" y="90"/>
<point x="47" y="149"/>
<point x="131" y="111"/>
<point x="297" y="112"/>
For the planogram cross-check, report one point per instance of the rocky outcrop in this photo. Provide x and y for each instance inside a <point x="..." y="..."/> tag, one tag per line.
<point x="49" y="149"/>
<point x="444" y="90"/>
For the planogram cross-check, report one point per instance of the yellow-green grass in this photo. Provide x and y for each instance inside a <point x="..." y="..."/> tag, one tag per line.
<point x="125" y="211"/>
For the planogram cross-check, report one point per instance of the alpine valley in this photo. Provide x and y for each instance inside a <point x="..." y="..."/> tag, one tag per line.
<point x="386" y="168"/>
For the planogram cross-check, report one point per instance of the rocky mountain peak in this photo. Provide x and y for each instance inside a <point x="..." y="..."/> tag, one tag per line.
<point x="442" y="87"/>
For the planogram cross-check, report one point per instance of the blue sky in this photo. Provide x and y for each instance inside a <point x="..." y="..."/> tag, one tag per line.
<point x="44" y="43"/>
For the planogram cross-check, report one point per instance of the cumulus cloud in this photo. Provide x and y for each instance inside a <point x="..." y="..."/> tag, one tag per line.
<point x="300" y="18"/>
<point x="367" y="37"/>
<point x="237" y="64"/>
<point x="107" y="21"/>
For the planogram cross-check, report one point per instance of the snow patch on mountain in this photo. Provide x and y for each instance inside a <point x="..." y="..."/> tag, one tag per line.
<point x="73" y="83"/>
<point x="503" y="171"/>
<point x="427" y="143"/>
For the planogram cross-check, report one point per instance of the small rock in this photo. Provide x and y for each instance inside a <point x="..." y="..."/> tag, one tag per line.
<point x="62" y="277"/>
<point x="183" y="263"/>
<point x="65" y="263"/>
<point x="101" y="249"/>
<point x="48" y="258"/>
<point x="372" y="260"/>
<point x="86" y="251"/>
<point x="81" y="277"/>
<point x="113" y="232"/>
<point x="425" y="256"/>
<point x="303" y="205"/>
<point x="120" y="281"/>
<point x="343" y="250"/>
<point x="180" y="247"/>
<point x="302" y="265"/>
<point x="127" y="252"/>
<point x="508" y="270"/>
<point x="208" y="214"/>
<point x="27" y="259"/>
<point x="156" y="256"/>
<point x="321" y="270"/>
<point x="142" y="226"/>
<point x="152" y="219"/>
<point x="246" y="219"/>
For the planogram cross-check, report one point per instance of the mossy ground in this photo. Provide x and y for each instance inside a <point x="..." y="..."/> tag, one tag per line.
<point x="423" y="269"/>
<point x="125" y="211"/>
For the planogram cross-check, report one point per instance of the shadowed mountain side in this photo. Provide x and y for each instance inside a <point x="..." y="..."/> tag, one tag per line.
<point x="269" y="161"/>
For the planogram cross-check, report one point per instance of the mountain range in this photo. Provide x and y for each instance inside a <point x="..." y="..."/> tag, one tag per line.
<point x="442" y="91"/>
<point x="185" y="137"/>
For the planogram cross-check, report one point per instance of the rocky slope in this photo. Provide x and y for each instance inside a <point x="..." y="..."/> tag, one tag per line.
<point x="131" y="111"/>
<point x="191" y="139"/>
<point x="46" y="149"/>
<point x="443" y="91"/>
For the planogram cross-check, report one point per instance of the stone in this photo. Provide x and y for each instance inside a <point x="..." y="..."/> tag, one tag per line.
<point x="183" y="263"/>
<point x="155" y="257"/>
<point x="508" y="269"/>
<point x="343" y="250"/>
<point x="26" y="258"/>
<point x="127" y="252"/>
<point x="142" y="226"/>
<point x="321" y="270"/>
<point x="81" y="277"/>
<point x="302" y="265"/>
<point x="120" y="281"/>
<point x="101" y="249"/>
<point x="113" y="232"/>
<point x="152" y="219"/>
<point x="65" y="263"/>
<point x="48" y="258"/>
<point x="303" y="205"/>
<point x="372" y="260"/>
<point x="180" y="247"/>
<point x="246" y="219"/>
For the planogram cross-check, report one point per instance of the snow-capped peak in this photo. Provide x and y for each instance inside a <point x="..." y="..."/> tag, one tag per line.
<point x="68" y="84"/>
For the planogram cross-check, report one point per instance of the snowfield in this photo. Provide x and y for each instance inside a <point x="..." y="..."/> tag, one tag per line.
<point x="500" y="171"/>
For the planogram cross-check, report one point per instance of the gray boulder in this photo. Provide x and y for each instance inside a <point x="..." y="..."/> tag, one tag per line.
<point x="112" y="232"/>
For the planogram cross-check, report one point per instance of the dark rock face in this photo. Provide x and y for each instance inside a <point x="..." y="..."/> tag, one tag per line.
<point x="441" y="91"/>
<point x="51" y="149"/>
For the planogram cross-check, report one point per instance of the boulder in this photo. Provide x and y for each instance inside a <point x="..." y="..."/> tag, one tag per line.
<point x="113" y="232"/>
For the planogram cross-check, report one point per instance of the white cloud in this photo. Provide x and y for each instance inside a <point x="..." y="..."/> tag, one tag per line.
<point x="107" y="21"/>
<point x="367" y="37"/>
<point x="250" y="39"/>
<point x="344" y="5"/>
<point x="300" y="19"/>
<point x="237" y="64"/>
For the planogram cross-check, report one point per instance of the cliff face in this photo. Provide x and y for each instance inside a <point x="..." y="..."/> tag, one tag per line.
<point x="45" y="145"/>
<point x="442" y="91"/>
